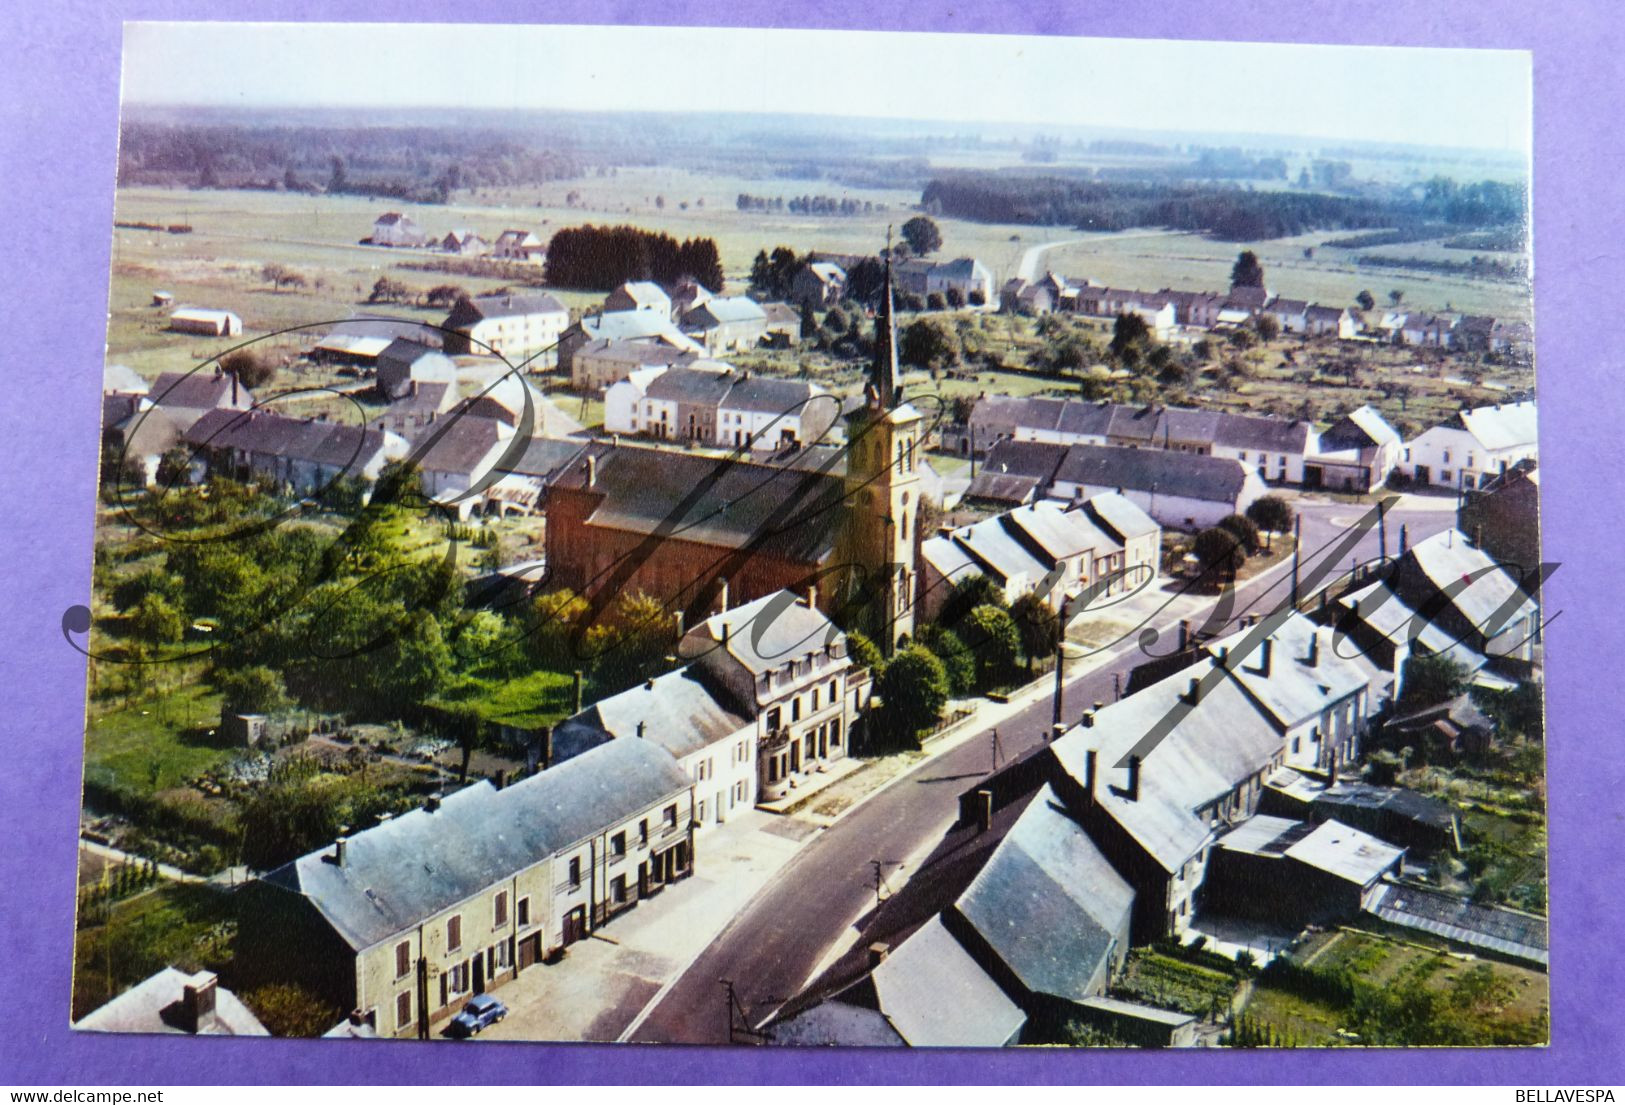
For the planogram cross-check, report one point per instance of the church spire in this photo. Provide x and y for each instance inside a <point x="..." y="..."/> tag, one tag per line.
<point x="884" y="372"/>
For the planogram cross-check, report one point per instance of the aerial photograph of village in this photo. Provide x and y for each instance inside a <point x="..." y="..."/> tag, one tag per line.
<point x="590" y="549"/>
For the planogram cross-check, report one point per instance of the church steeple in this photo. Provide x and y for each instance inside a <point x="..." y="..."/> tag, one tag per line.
<point x="883" y="374"/>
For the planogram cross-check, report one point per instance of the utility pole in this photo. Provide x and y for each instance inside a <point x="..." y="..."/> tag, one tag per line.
<point x="880" y="879"/>
<point x="995" y="736"/>
<point x="1060" y="665"/>
<point x="1297" y="545"/>
<point x="1382" y="534"/>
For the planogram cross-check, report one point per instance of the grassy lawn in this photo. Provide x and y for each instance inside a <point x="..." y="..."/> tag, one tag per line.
<point x="184" y="925"/>
<point x="157" y="743"/>
<point x="529" y="701"/>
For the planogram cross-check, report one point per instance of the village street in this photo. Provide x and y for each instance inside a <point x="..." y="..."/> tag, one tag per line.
<point x="775" y="898"/>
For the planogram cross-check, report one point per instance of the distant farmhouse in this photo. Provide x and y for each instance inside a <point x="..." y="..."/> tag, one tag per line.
<point x="519" y="245"/>
<point x="465" y="243"/>
<point x="201" y="320"/>
<point x="395" y="229"/>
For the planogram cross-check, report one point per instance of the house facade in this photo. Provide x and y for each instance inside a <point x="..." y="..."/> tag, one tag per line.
<point x="726" y="324"/>
<point x="395" y="229"/>
<point x="523" y="330"/>
<point x="1473" y="447"/>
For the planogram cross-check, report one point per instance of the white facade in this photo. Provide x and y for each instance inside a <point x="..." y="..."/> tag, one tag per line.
<point x="516" y="337"/>
<point x="1175" y="511"/>
<point x="624" y="401"/>
<point x="724" y="775"/>
<point x="1477" y="446"/>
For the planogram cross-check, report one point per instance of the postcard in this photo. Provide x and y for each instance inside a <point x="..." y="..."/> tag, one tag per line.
<point x="607" y="551"/>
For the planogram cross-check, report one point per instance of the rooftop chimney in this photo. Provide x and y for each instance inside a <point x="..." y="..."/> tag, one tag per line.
<point x="877" y="954"/>
<point x="1404" y="538"/>
<point x="340" y="849"/>
<point x="984" y="810"/>
<point x="432" y="803"/>
<point x="592" y="471"/>
<point x="723" y="601"/>
<point x="1314" y="648"/>
<point x="1224" y="656"/>
<point x="812" y="596"/>
<point x="649" y="684"/>
<point x="197" y="1002"/>
<point x="1193" y="693"/>
<point x="1264" y="651"/>
<point x="1184" y="635"/>
<point x="1087" y="721"/>
<point x="642" y="725"/>
<point x="1133" y="792"/>
<point x="501" y="779"/>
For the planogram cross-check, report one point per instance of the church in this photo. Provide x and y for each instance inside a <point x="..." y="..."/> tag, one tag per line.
<point x="707" y="533"/>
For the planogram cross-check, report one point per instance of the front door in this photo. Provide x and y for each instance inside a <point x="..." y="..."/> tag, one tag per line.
<point x="575" y="925"/>
<point x="1423" y="475"/>
<point x="479" y="973"/>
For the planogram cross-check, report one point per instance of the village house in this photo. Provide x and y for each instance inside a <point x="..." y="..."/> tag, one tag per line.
<point x="521" y="329"/>
<point x="202" y="320"/>
<point x="1514" y="339"/>
<point x="688" y="294"/>
<point x="404" y="921"/>
<point x="967" y="277"/>
<point x="1291" y="315"/>
<point x="1106" y="543"/>
<point x="1334" y="871"/>
<point x="639" y="295"/>
<point x="405" y="362"/>
<point x="455" y="453"/>
<point x="726" y="324"/>
<point x="1473" y="447"/>
<point x="820" y="283"/>
<point x="599" y="365"/>
<point x="465" y="243"/>
<point x="184" y="397"/>
<point x="173" y="1002"/>
<point x="519" y="245"/>
<point x="1330" y="322"/>
<point x="421" y="404"/>
<point x="302" y="455"/>
<point x="785" y="665"/>
<point x="395" y="229"/>
<point x="1468" y="595"/>
<point x="766" y="413"/>
<point x="681" y="404"/>
<point x="783" y="325"/>
<point x="1356" y="453"/>
<point x="646" y="327"/>
<point x="360" y="341"/>
<point x="1503" y="516"/>
<point x="1179" y="491"/>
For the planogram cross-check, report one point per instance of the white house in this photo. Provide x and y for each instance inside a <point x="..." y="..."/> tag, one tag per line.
<point x="519" y="245"/>
<point x="1473" y="447"/>
<point x="624" y="400"/>
<point x="1179" y="490"/>
<point x="395" y="229"/>
<point x="639" y="295"/>
<point x="522" y="329"/>
<point x="767" y="413"/>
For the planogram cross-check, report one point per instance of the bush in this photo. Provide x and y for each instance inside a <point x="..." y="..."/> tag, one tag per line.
<point x="1244" y="531"/>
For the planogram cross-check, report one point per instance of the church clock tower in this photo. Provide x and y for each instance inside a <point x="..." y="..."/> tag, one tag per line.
<point x="882" y="494"/>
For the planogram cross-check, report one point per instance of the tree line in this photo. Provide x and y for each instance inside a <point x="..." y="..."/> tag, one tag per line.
<point x="1224" y="212"/>
<point x="807" y="205"/>
<point x="603" y="257"/>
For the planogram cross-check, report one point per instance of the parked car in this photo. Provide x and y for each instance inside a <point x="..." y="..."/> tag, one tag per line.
<point x="480" y="1013"/>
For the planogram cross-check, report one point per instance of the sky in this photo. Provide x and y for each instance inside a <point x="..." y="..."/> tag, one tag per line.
<point x="1478" y="99"/>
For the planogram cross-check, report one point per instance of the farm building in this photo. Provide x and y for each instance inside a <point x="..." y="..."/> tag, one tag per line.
<point x="201" y="320"/>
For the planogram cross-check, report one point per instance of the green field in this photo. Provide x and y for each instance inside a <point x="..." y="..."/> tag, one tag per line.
<point x="189" y="926"/>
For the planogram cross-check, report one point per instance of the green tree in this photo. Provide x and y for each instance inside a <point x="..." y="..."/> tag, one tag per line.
<point x="251" y="690"/>
<point x="957" y="660"/>
<point x="1247" y="272"/>
<point x="922" y="235"/>
<point x="1430" y="680"/>
<point x="1220" y="553"/>
<point x="1268" y="327"/>
<point x="927" y="343"/>
<point x="250" y="368"/>
<point x="156" y="621"/>
<point x="1038" y="627"/>
<point x="863" y="652"/>
<point x="1365" y="300"/>
<point x="991" y="635"/>
<point x="1272" y="514"/>
<point x="1245" y="530"/>
<point x="913" y="691"/>
<point x="1396" y="296"/>
<point x="1129" y="332"/>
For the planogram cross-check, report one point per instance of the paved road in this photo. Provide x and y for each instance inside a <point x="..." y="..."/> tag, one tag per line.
<point x="773" y="946"/>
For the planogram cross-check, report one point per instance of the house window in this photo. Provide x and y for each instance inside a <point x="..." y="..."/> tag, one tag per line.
<point x="500" y="914"/>
<point x="454" y="933"/>
<point x="522" y="912"/>
<point x="773" y="719"/>
<point x="834" y="691"/>
<point x="700" y="815"/>
<point x="617" y="845"/>
<point x="795" y="708"/>
<point x="500" y="955"/>
<point x="1444" y="475"/>
<point x="835" y="733"/>
<point x="814" y="706"/>
<point x="458" y="978"/>
<point x="643" y="831"/>
<point x="403" y="959"/>
<point x="575" y="872"/>
<point x="617" y="890"/>
<point x="669" y="816"/>
<point x="403" y="1009"/>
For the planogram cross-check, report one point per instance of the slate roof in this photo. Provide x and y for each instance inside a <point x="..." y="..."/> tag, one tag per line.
<point x="678" y="711"/>
<point x="1048" y="903"/>
<point x="1119" y="516"/>
<point x="1059" y="532"/>
<point x="545" y="457"/>
<point x="690" y="385"/>
<point x="334" y="444"/>
<point x="421" y="361"/>
<point x="506" y="305"/>
<point x="458" y="443"/>
<point x="638" y="354"/>
<point x="836" y="1024"/>
<point x="413" y="866"/>
<point x="723" y="502"/>
<point x="200" y="390"/>
<point x="1210" y="747"/>
<point x="1294" y="691"/>
<point x="646" y="294"/>
<point x="1505" y="426"/>
<point x="934" y="994"/>
<point x="1507" y="931"/>
<point x="1256" y="431"/>
<point x="633" y="325"/>
<point x="723" y="310"/>
<point x="1492" y="602"/>
<point x="772" y="395"/>
<point x="154" y="1005"/>
<point x="1377" y="606"/>
<point x="765" y="634"/>
<point x="1188" y="475"/>
<point x="1361" y="428"/>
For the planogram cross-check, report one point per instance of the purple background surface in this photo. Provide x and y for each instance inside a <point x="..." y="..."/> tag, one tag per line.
<point x="59" y="104"/>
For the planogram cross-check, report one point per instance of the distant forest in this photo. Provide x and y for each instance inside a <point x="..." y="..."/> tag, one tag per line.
<point x="1224" y="212"/>
<point x="603" y="257"/>
<point x="418" y="164"/>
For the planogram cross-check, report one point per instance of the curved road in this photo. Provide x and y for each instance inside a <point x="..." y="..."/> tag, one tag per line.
<point x="770" y="950"/>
